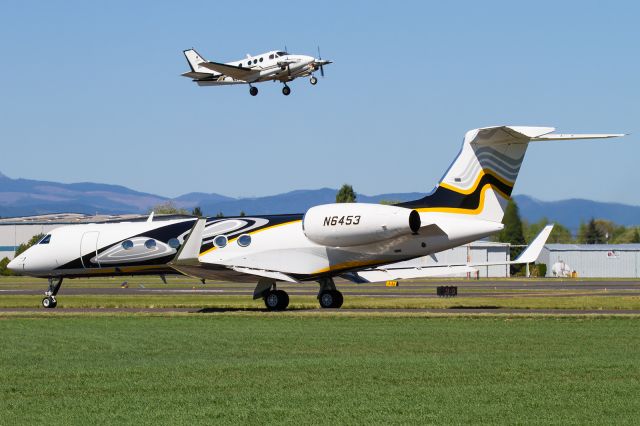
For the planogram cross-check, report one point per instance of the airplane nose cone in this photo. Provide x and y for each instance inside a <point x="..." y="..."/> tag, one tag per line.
<point x="16" y="265"/>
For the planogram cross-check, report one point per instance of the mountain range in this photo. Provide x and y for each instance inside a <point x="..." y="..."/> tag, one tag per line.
<point x="24" y="197"/>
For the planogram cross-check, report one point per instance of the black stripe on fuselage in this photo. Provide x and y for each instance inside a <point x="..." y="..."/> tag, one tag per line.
<point x="444" y="197"/>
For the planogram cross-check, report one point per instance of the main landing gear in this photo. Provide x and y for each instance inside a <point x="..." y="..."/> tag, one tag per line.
<point x="50" y="302"/>
<point x="274" y="299"/>
<point x="313" y="80"/>
<point x="253" y="90"/>
<point x="286" y="90"/>
<point x="329" y="296"/>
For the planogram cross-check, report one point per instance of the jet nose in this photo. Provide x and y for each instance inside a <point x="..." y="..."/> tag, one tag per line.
<point x="17" y="264"/>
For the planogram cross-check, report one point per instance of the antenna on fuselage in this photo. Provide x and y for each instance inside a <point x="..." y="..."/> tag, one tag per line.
<point x="150" y="218"/>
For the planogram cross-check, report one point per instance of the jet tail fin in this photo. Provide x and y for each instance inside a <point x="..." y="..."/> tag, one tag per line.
<point x="481" y="178"/>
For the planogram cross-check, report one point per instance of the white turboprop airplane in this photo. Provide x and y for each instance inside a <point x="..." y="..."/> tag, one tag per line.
<point x="276" y="65"/>
<point x="357" y="241"/>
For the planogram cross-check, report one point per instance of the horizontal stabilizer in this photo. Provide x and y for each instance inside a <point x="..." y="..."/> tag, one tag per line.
<point x="570" y="136"/>
<point x="196" y="75"/>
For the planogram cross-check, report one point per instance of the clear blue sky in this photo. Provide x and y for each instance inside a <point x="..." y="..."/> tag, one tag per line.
<point x="91" y="91"/>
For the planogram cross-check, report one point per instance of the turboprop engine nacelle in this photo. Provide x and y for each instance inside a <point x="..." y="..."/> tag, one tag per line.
<point x="352" y="224"/>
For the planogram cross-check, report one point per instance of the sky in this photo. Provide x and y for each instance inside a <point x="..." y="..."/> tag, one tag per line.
<point x="92" y="92"/>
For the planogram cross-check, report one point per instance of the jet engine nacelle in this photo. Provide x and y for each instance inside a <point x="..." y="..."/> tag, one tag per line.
<point x="352" y="224"/>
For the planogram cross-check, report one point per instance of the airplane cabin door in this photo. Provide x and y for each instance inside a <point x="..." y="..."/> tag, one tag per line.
<point x="89" y="245"/>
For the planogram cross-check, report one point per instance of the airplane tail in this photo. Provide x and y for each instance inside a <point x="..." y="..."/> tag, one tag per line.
<point x="194" y="59"/>
<point x="481" y="178"/>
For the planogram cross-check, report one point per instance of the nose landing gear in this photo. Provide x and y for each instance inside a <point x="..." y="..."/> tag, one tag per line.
<point x="253" y="90"/>
<point x="50" y="301"/>
<point x="313" y="80"/>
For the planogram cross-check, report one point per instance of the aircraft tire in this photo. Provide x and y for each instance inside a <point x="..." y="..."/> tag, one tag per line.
<point x="253" y="91"/>
<point x="276" y="300"/>
<point x="331" y="299"/>
<point x="286" y="90"/>
<point x="284" y="300"/>
<point x="49" y="303"/>
<point x="313" y="81"/>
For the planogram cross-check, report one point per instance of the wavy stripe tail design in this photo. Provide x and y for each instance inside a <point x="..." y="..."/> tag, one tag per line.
<point x="481" y="178"/>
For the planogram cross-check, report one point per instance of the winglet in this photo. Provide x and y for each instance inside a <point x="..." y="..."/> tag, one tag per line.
<point x="531" y="253"/>
<point x="190" y="250"/>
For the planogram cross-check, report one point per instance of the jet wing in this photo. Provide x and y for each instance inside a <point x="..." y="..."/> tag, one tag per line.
<point x="391" y="272"/>
<point x="239" y="73"/>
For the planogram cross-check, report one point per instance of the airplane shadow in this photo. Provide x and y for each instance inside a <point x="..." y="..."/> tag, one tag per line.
<point x="223" y="310"/>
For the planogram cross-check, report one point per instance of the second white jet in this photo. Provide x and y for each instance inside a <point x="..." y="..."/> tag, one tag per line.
<point x="276" y="65"/>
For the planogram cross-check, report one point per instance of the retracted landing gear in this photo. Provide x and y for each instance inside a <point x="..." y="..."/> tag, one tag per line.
<point x="253" y="90"/>
<point x="274" y="299"/>
<point x="313" y="80"/>
<point x="286" y="90"/>
<point x="329" y="296"/>
<point x="50" y="302"/>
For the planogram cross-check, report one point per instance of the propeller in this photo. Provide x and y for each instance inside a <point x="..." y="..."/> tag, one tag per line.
<point x="320" y="60"/>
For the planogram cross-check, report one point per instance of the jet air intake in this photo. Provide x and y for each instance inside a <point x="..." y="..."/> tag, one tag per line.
<point x="352" y="224"/>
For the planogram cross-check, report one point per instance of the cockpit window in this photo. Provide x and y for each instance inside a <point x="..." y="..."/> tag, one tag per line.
<point x="281" y="53"/>
<point x="46" y="239"/>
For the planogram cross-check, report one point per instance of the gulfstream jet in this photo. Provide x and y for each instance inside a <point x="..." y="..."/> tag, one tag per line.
<point x="358" y="241"/>
<point x="276" y="65"/>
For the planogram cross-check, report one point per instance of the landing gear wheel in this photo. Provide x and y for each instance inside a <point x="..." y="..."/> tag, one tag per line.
<point x="253" y="91"/>
<point x="331" y="299"/>
<point x="49" y="302"/>
<point x="286" y="90"/>
<point x="276" y="300"/>
<point x="313" y="81"/>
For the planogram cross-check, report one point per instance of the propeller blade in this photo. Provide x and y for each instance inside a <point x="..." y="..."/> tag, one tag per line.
<point x="321" y="70"/>
<point x="319" y="55"/>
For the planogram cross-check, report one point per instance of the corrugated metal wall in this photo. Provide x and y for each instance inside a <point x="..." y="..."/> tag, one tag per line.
<point x="607" y="263"/>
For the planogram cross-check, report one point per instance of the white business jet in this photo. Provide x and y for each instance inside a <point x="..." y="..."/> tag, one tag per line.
<point x="358" y="241"/>
<point x="276" y="65"/>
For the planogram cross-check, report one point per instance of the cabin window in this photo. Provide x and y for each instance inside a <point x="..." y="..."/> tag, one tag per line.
<point x="46" y="239"/>
<point x="249" y="63"/>
<point x="150" y="244"/>
<point x="244" y="240"/>
<point x="220" y="241"/>
<point x="271" y="56"/>
<point x="282" y="53"/>
<point x="261" y="59"/>
<point x="127" y="244"/>
<point x="255" y="61"/>
<point x="174" y="243"/>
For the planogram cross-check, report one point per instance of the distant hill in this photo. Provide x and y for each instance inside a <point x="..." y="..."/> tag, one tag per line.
<point x="23" y="197"/>
<point x="573" y="211"/>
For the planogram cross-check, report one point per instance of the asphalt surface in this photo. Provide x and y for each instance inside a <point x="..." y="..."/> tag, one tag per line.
<point x="426" y="289"/>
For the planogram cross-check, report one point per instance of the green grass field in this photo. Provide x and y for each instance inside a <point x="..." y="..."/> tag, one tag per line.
<point x="291" y="368"/>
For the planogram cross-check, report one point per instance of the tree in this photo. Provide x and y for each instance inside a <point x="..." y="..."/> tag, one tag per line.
<point x="24" y="246"/>
<point x="219" y="214"/>
<point x="242" y="213"/>
<point x="197" y="211"/>
<point x="168" y="207"/>
<point x="3" y="267"/>
<point x="512" y="232"/>
<point x="346" y="194"/>
<point x="389" y="202"/>
<point x="591" y="233"/>
<point x="560" y="233"/>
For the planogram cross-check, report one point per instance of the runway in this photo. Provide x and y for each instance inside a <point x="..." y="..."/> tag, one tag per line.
<point x="207" y="294"/>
